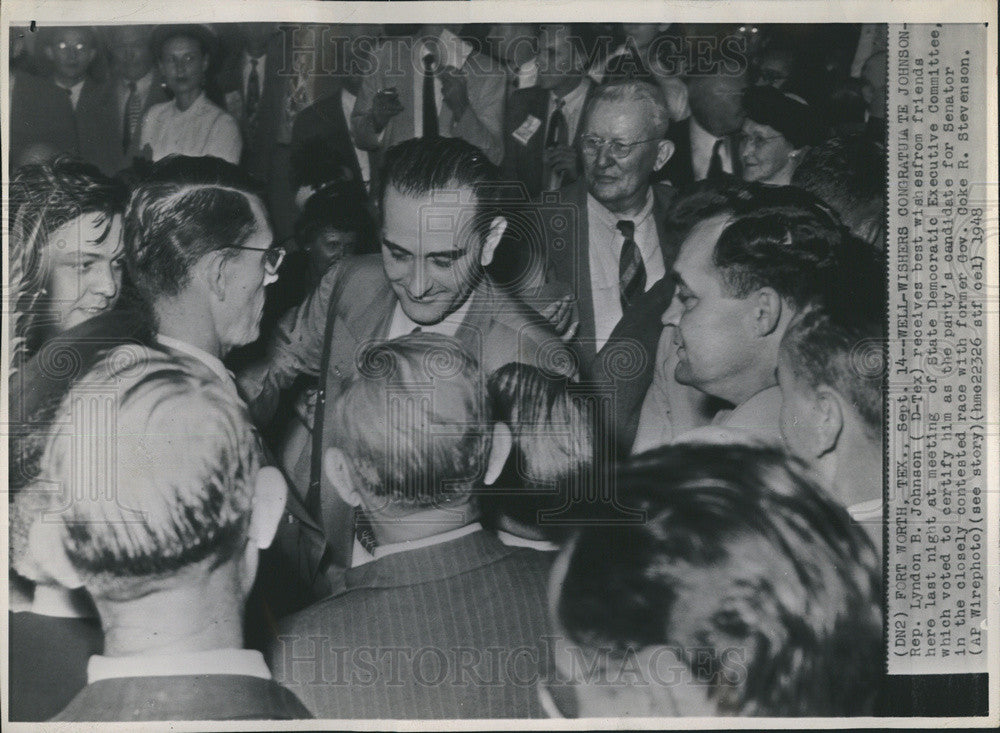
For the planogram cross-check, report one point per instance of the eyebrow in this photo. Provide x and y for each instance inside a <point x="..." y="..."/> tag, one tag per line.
<point x="452" y="253"/>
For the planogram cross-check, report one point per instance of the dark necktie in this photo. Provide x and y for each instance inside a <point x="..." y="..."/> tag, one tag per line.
<point x="631" y="271"/>
<point x="133" y="107"/>
<point x="715" y="169"/>
<point x="430" y="103"/>
<point x="253" y="95"/>
<point x="558" y="132"/>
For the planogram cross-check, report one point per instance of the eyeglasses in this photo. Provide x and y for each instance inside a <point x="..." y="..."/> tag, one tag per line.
<point x="757" y="141"/>
<point x="273" y="256"/>
<point x="592" y="145"/>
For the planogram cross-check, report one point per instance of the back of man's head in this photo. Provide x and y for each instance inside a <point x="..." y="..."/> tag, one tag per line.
<point x="156" y="491"/>
<point x="784" y="239"/>
<point x="552" y="435"/>
<point x="755" y="591"/>
<point x="413" y="421"/>
<point x="183" y="209"/>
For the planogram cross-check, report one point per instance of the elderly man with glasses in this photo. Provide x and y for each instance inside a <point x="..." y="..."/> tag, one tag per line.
<point x="619" y="250"/>
<point x="199" y="249"/>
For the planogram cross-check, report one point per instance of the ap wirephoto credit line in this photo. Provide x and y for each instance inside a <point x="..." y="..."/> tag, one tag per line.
<point x="465" y="365"/>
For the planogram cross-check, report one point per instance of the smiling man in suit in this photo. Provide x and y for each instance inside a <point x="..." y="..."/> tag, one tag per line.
<point x="439" y="232"/>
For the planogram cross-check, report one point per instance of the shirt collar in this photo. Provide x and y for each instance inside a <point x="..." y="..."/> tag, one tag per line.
<point x="402" y="324"/>
<point x="242" y="662"/>
<point x="512" y="540"/>
<point x="450" y="50"/>
<point x="141" y="84"/>
<point x="575" y="96"/>
<point x="611" y="219"/>
<point x="438" y="539"/>
<point x="212" y="362"/>
<point x="57" y="602"/>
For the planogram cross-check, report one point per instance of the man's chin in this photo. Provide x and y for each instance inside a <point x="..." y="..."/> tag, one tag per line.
<point x="684" y="375"/>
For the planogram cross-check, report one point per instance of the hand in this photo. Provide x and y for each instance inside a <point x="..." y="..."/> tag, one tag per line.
<point x="455" y="90"/>
<point x="562" y="160"/>
<point x="385" y="106"/>
<point x="561" y="315"/>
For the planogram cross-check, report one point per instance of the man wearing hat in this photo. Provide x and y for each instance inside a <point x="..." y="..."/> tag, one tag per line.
<point x="190" y="124"/>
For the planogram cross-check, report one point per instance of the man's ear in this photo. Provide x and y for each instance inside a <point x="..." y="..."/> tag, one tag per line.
<point x="497" y="227"/>
<point x="50" y="54"/>
<point x="829" y="419"/>
<point x="270" y="492"/>
<point x="46" y="561"/>
<point x="664" y="151"/>
<point x="338" y="472"/>
<point x="767" y="308"/>
<point x="214" y="272"/>
<point x="499" y="452"/>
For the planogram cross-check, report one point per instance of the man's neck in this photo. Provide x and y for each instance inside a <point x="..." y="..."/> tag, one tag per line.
<point x="395" y="526"/>
<point x="184" y="100"/>
<point x="194" y="328"/>
<point x="192" y="618"/>
<point x="857" y="466"/>
<point x="629" y="207"/>
<point x="567" y="85"/>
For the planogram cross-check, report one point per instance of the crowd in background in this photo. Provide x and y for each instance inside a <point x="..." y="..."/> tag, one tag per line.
<point x="446" y="371"/>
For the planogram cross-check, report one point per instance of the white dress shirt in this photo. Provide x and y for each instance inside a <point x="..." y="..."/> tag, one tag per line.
<point x="605" y="252"/>
<point x="242" y="662"/>
<point x="702" y="144"/>
<point x="73" y="92"/>
<point x="245" y="76"/>
<point x="402" y="324"/>
<point x="347" y="101"/>
<point x="203" y="128"/>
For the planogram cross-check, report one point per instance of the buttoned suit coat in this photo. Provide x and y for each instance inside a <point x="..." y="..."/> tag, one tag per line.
<point x="454" y="630"/>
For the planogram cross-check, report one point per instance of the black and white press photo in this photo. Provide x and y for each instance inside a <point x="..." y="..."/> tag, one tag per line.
<point x="388" y="364"/>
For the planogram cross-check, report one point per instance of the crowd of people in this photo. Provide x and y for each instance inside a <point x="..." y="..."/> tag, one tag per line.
<point x="446" y="372"/>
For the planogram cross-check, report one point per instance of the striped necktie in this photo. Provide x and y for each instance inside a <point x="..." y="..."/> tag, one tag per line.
<point x="631" y="270"/>
<point x="133" y="109"/>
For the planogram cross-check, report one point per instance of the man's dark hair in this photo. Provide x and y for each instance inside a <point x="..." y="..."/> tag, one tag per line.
<point x="840" y="342"/>
<point x="339" y="207"/>
<point x="552" y="435"/>
<point x="796" y="627"/>
<point x="419" y="166"/>
<point x="183" y="209"/>
<point x="786" y="240"/>
<point x="848" y="173"/>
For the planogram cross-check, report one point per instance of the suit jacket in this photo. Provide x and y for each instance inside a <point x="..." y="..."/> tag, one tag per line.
<point x="40" y="112"/>
<point x="48" y="662"/>
<point x="481" y="124"/>
<point x="96" y="118"/>
<point x="568" y="267"/>
<point x="183" y="697"/>
<point x="679" y="170"/>
<point x="324" y="119"/>
<point x="497" y="330"/>
<point x="426" y="633"/>
<point x="524" y="163"/>
<point x="258" y="148"/>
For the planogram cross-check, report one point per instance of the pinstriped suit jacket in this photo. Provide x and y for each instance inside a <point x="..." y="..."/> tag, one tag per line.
<point x="448" y="631"/>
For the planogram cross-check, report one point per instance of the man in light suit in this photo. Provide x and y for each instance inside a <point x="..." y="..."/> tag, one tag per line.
<point x="394" y="102"/>
<point x="165" y="540"/>
<point x="446" y="621"/>
<point x="438" y="234"/>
